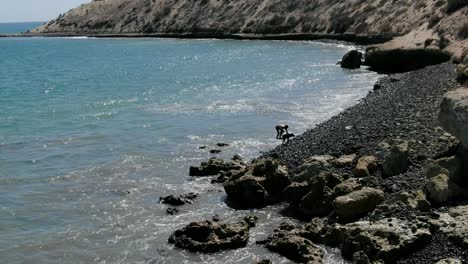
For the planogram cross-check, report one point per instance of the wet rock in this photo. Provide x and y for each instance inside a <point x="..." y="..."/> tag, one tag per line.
<point x="172" y="211"/>
<point x="357" y="203"/>
<point x="313" y="166"/>
<point x="395" y="157"/>
<point x="352" y="60"/>
<point x="262" y="183"/>
<point x="344" y="161"/>
<point x="222" y="145"/>
<point x="179" y="199"/>
<point x="449" y="261"/>
<point x="454" y="114"/>
<point x="453" y="225"/>
<point x="251" y="220"/>
<point x="365" y="166"/>
<point x="387" y="239"/>
<point x="415" y="200"/>
<point x="264" y="261"/>
<point x="202" y="147"/>
<point x="215" y="151"/>
<point x="360" y="258"/>
<point x="214" y="166"/>
<point x="292" y="246"/>
<point x="209" y="236"/>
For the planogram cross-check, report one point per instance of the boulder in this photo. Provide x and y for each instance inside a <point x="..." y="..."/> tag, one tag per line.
<point x="210" y="236"/>
<point x="344" y="161"/>
<point x="260" y="184"/>
<point x="214" y="166"/>
<point x="453" y="114"/>
<point x="289" y="244"/>
<point x="179" y="199"/>
<point x="172" y="211"/>
<point x="313" y="166"/>
<point x="346" y="187"/>
<point x="441" y="190"/>
<point x="366" y="166"/>
<point x="388" y="58"/>
<point x="415" y="200"/>
<point x="357" y="203"/>
<point x="351" y="60"/>
<point x="395" y="157"/>
<point x="360" y="258"/>
<point x="388" y="239"/>
<point x="294" y="193"/>
<point x="453" y="225"/>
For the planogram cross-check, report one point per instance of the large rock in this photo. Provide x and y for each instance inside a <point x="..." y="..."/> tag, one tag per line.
<point x="415" y="200"/>
<point x="453" y="225"/>
<point x="313" y="166"/>
<point x="357" y="203"/>
<point x="344" y="161"/>
<point x="386" y="58"/>
<point x="214" y="166"/>
<point x="318" y="201"/>
<point x="351" y="60"/>
<point x="388" y="239"/>
<point x="350" y="185"/>
<point x="454" y="114"/>
<point x="260" y="184"/>
<point x="395" y="157"/>
<point x="441" y="190"/>
<point x="366" y="166"/>
<point x="210" y="236"/>
<point x="285" y="241"/>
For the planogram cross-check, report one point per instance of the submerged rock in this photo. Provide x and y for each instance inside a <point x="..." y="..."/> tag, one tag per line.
<point x="352" y="60"/>
<point x="357" y="203"/>
<point x="387" y="239"/>
<point x="214" y="166"/>
<point x="179" y="199"/>
<point x="209" y="236"/>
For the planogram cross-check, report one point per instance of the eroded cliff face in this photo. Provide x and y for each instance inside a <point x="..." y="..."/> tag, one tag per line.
<point x="257" y="16"/>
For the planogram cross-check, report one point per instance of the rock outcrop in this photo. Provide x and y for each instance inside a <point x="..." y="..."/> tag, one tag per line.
<point x="260" y="184"/>
<point x="179" y="199"/>
<point x="285" y="241"/>
<point x="387" y="239"/>
<point x="454" y="114"/>
<point x="357" y="203"/>
<point x="453" y="224"/>
<point x="352" y="60"/>
<point x="211" y="236"/>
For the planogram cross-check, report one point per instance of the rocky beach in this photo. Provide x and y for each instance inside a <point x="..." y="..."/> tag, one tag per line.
<point x="384" y="181"/>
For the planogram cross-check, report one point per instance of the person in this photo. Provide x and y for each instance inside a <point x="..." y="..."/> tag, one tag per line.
<point x="280" y="130"/>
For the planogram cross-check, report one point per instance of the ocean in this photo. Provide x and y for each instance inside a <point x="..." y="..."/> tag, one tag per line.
<point x="94" y="131"/>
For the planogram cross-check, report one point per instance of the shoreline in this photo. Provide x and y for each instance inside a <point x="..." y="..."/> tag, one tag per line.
<point x="357" y="39"/>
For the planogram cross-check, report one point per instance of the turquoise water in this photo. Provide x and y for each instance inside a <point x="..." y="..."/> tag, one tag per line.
<point x="12" y="28"/>
<point x="94" y="131"/>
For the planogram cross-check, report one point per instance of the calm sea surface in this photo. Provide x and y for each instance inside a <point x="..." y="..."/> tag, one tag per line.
<point x="12" y="28"/>
<point x="94" y="131"/>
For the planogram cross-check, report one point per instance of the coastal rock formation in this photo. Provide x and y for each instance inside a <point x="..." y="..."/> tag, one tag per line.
<point x="214" y="166"/>
<point x="357" y="203"/>
<point x="351" y="60"/>
<point x="260" y="184"/>
<point x="415" y="200"/>
<point x="210" y="236"/>
<point x="289" y="243"/>
<point x="179" y="199"/>
<point x="387" y="239"/>
<point x="313" y="166"/>
<point x="454" y="225"/>
<point x="454" y="114"/>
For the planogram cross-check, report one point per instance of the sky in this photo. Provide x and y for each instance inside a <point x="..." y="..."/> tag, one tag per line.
<point x="35" y="10"/>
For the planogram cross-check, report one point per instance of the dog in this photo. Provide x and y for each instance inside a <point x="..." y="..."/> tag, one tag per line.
<point x="287" y="136"/>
